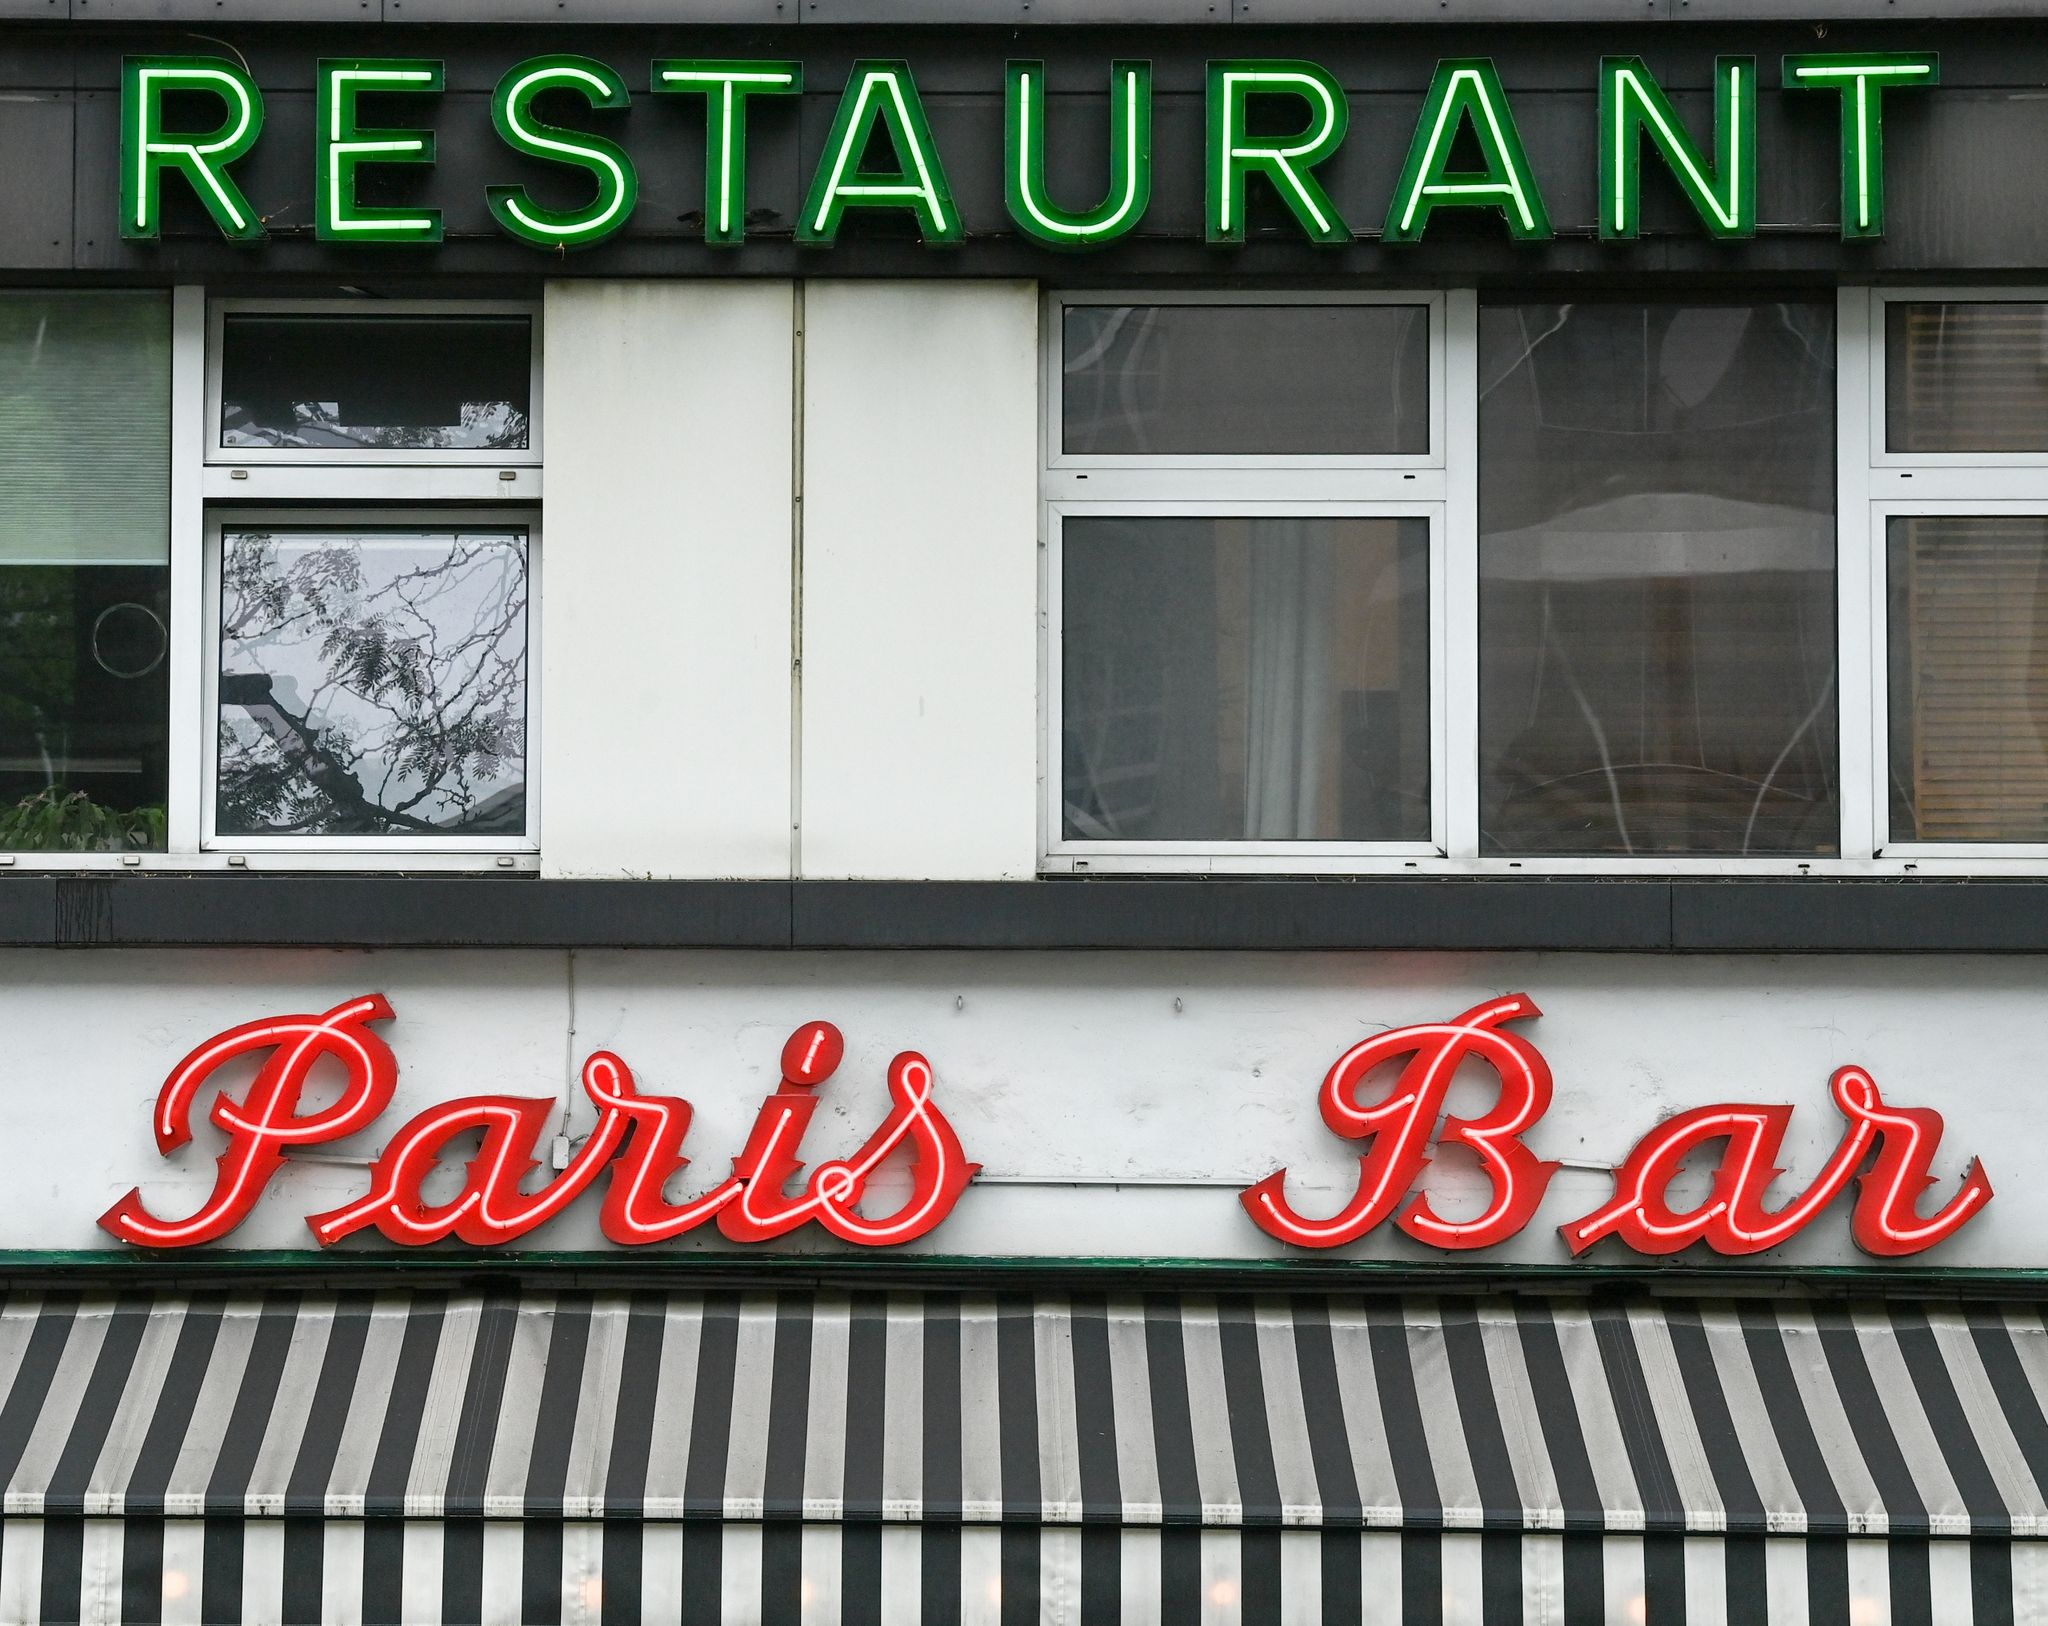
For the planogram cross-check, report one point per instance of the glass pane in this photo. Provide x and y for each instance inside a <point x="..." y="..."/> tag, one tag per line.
<point x="84" y="707"/>
<point x="84" y="579"/>
<point x="387" y="383"/>
<point x="1246" y="679"/>
<point x="372" y="683"/>
<point x="1968" y="649"/>
<point x="1657" y="579"/>
<point x="1966" y="377"/>
<point x="1295" y="380"/>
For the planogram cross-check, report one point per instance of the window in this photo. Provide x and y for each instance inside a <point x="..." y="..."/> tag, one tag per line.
<point x="322" y="383"/>
<point x="268" y="581"/>
<point x="1245" y="527"/>
<point x="1716" y="583"/>
<point x="1657" y="578"/>
<point x="369" y="674"/>
<point x="85" y="580"/>
<point x="372" y="681"/>
<point x="1215" y="380"/>
<point x="1958" y="533"/>
<point x="1246" y="678"/>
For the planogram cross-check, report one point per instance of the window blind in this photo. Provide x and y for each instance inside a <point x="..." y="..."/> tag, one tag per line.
<point x="85" y="428"/>
<point x="1967" y="377"/>
<point x="1969" y="677"/>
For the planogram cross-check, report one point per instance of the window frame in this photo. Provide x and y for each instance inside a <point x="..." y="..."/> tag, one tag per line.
<point x="202" y="489"/>
<point x="1439" y="486"/>
<point x="1099" y="468"/>
<point x="1277" y="855"/>
<point x="267" y="473"/>
<point x="1882" y="513"/>
<point x="1877" y="486"/>
<point x="1882" y="457"/>
<point x="221" y="519"/>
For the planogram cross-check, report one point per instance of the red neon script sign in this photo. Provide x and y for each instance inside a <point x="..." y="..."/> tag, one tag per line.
<point x="636" y="1147"/>
<point x="1887" y="1151"/>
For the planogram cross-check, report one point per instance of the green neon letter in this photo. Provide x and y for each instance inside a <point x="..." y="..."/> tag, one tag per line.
<point x="1130" y="159"/>
<point x="342" y="147"/>
<point x="1633" y="105"/>
<point x="1862" y="79"/>
<point x="607" y="162"/>
<point x="1288" y="163"/>
<point x="1466" y="90"/>
<point x="880" y="93"/>
<point x="147" y="149"/>
<point x="726" y="87"/>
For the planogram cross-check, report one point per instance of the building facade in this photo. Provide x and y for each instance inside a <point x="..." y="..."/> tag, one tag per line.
<point x="957" y="810"/>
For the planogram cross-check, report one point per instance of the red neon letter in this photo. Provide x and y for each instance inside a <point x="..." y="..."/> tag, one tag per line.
<point x="1733" y="1219"/>
<point x="1886" y="1220"/>
<point x="263" y="1126"/>
<point x="490" y="1210"/>
<point x="1399" y="1129"/>
<point x="939" y="1169"/>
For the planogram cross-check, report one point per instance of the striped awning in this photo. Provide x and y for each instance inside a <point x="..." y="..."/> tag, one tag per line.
<point x="929" y="1446"/>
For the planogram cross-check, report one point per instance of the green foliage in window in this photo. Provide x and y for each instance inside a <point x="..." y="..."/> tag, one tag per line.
<point x="54" y="821"/>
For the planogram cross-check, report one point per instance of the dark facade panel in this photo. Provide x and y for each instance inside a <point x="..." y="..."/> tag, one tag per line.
<point x="1252" y="914"/>
<point x="1692" y="915"/>
<point x="888" y="13"/>
<point x="356" y="911"/>
<point x="1854" y="916"/>
<point x="28" y="905"/>
<point x="670" y="12"/>
<point x="36" y="134"/>
<point x="228" y="11"/>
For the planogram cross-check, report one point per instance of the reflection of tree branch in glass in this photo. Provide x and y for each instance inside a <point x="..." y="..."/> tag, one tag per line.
<point x="372" y="682"/>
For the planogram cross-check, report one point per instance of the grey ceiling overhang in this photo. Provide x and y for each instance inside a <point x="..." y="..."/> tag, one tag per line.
<point x="1014" y="13"/>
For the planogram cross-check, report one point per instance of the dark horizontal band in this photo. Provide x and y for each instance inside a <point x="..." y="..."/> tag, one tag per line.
<point x="1681" y="915"/>
<point x="1009" y="13"/>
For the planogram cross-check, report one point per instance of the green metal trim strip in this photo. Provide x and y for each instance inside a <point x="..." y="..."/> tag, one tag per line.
<point x="950" y="1269"/>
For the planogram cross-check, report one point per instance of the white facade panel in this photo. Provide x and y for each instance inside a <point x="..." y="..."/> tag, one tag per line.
<point x="920" y="580"/>
<point x="1118" y="1103"/>
<point x="667" y="579"/>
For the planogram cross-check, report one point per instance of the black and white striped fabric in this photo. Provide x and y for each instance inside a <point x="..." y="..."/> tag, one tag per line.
<point x="814" y="1456"/>
<point x="789" y="1574"/>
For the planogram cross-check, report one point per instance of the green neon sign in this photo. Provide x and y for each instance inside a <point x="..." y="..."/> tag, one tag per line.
<point x="202" y="157"/>
<point x="726" y="88"/>
<point x="1633" y="107"/>
<point x="879" y="94"/>
<point x="1287" y="162"/>
<point x="606" y="162"/>
<point x="1130" y="159"/>
<point x="1861" y="79"/>
<point x="1271" y="125"/>
<point x="1466" y="94"/>
<point x="342" y="146"/>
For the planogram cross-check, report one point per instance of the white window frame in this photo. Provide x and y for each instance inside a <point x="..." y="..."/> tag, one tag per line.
<point x="1881" y="515"/>
<point x="1923" y="465"/>
<point x="1878" y="485"/>
<point x="206" y="487"/>
<point x="368" y="474"/>
<point x="1096" y="474"/>
<point x="1248" y="855"/>
<point x="380" y="849"/>
<point x="378" y="457"/>
<point x="1438" y="486"/>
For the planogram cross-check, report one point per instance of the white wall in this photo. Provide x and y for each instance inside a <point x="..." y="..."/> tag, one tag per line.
<point x="920" y="580"/>
<point x="665" y="640"/>
<point x="1117" y="1101"/>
